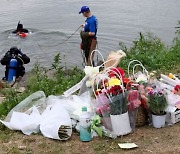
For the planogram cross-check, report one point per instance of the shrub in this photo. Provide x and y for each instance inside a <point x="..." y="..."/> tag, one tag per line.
<point x="152" y="52"/>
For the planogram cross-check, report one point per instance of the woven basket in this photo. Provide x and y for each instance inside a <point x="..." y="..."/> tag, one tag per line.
<point x="141" y="117"/>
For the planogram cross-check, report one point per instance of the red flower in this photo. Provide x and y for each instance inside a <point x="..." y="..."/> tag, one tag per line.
<point x="116" y="71"/>
<point x="126" y="80"/>
<point x="177" y="87"/>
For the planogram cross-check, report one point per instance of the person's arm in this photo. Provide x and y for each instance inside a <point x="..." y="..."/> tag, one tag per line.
<point x="25" y="31"/>
<point x="6" y="59"/>
<point x="24" y="59"/>
<point x="92" y="29"/>
<point x="91" y="33"/>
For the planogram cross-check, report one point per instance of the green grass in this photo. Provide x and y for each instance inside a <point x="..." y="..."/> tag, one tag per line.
<point x="11" y="100"/>
<point x="56" y="84"/>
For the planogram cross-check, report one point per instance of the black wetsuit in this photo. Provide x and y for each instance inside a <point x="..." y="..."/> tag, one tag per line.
<point x="21" y="59"/>
<point x="20" y="31"/>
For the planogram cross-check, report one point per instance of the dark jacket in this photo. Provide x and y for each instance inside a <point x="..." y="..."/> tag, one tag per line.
<point x="21" y="59"/>
<point x="21" y="31"/>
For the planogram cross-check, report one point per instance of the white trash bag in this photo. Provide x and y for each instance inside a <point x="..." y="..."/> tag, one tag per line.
<point x="73" y="104"/>
<point x="56" y="122"/>
<point x="28" y="124"/>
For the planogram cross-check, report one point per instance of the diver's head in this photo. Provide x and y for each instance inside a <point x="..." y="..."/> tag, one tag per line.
<point x="19" y="26"/>
<point x="14" y="50"/>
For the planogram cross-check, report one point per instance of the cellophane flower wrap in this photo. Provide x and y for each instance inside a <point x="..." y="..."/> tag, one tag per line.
<point x="111" y="88"/>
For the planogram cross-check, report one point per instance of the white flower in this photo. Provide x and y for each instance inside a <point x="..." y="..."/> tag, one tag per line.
<point x="90" y="71"/>
<point x="122" y="53"/>
<point x="89" y="83"/>
<point x="141" y="77"/>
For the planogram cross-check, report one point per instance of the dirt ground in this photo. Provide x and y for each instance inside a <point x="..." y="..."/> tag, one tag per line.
<point x="149" y="140"/>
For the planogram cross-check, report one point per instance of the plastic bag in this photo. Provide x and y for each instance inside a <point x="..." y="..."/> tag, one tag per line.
<point x="36" y="99"/>
<point x="75" y="103"/>
<point x="138" y="76"/>
<point x="28" y="124"/>
<point x="102" y="107"/>
<point x="56" y="122"/>
<point x="172" y="99"/>
<point x="114" y="58"/>
<point x="169" y="81"/>
<point x="75" y="87"/>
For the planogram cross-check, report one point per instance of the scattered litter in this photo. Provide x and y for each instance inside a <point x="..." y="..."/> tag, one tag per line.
<point x="22" y="147"/>
<point x="127" y="145"/>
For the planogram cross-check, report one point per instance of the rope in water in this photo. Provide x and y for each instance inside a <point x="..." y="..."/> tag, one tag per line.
<point x="82" y="53"/>
<point x="64" y="40"/>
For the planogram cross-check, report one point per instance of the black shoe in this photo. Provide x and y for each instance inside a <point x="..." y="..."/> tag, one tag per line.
<point x="4" y="78"/>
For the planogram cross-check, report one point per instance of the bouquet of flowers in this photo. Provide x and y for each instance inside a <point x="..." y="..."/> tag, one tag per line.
<point x="157" y="102"/>
<point x="112" y="101"/>
<point x="111" y="88"/>
<point x="137" y="105"/>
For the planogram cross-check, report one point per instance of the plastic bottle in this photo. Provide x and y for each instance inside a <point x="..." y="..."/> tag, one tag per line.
<point x="12" y="70"/>
<point x="85" y="126"/>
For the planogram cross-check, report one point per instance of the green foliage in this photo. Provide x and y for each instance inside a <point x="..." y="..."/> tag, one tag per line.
<point x="157" y="103"/>
<point x="12" y="99"/>
<point x="178" y="28"/>
<point x="152" y="52"/>
<point x="57" y="81"/>
<point x="56" y="62"/>
<point x="118" y="105"/>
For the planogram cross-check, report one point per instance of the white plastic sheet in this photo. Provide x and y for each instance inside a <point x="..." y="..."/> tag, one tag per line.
<point x="36" y="99"/>
<point x="172" y="98"/>
<point x="73" y="104"/>
<point x="28" y="124"/>
<point x="169" y="81"/>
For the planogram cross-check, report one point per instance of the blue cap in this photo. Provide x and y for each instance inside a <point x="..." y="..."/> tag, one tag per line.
<point x="84" y="9"/>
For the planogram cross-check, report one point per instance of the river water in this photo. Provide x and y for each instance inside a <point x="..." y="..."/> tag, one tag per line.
<point x="52" y="21"/>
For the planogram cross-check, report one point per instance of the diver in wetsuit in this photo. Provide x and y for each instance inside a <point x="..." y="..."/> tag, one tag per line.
<point x="15" y="53"/>
<point x="20" y="29"/>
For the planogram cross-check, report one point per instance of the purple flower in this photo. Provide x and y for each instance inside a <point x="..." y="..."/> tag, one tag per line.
<point x="151" y="93"/>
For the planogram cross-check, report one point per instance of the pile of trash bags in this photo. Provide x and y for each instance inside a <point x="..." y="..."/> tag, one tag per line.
<point x="54" y="116"/>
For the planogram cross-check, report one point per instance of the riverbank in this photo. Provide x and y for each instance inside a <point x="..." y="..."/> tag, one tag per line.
<point x="147" y="48"/>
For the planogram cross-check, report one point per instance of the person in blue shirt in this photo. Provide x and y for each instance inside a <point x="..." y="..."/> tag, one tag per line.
<point x="88" y="35"/>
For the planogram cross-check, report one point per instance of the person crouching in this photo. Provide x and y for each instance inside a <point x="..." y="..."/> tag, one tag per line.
<point x="11" y="56"/>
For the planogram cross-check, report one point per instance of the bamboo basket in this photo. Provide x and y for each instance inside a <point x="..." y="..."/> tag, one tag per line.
<point x="141" y="116"/>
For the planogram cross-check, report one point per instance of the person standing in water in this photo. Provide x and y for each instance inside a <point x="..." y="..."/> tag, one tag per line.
<point x="88" y="35"/>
